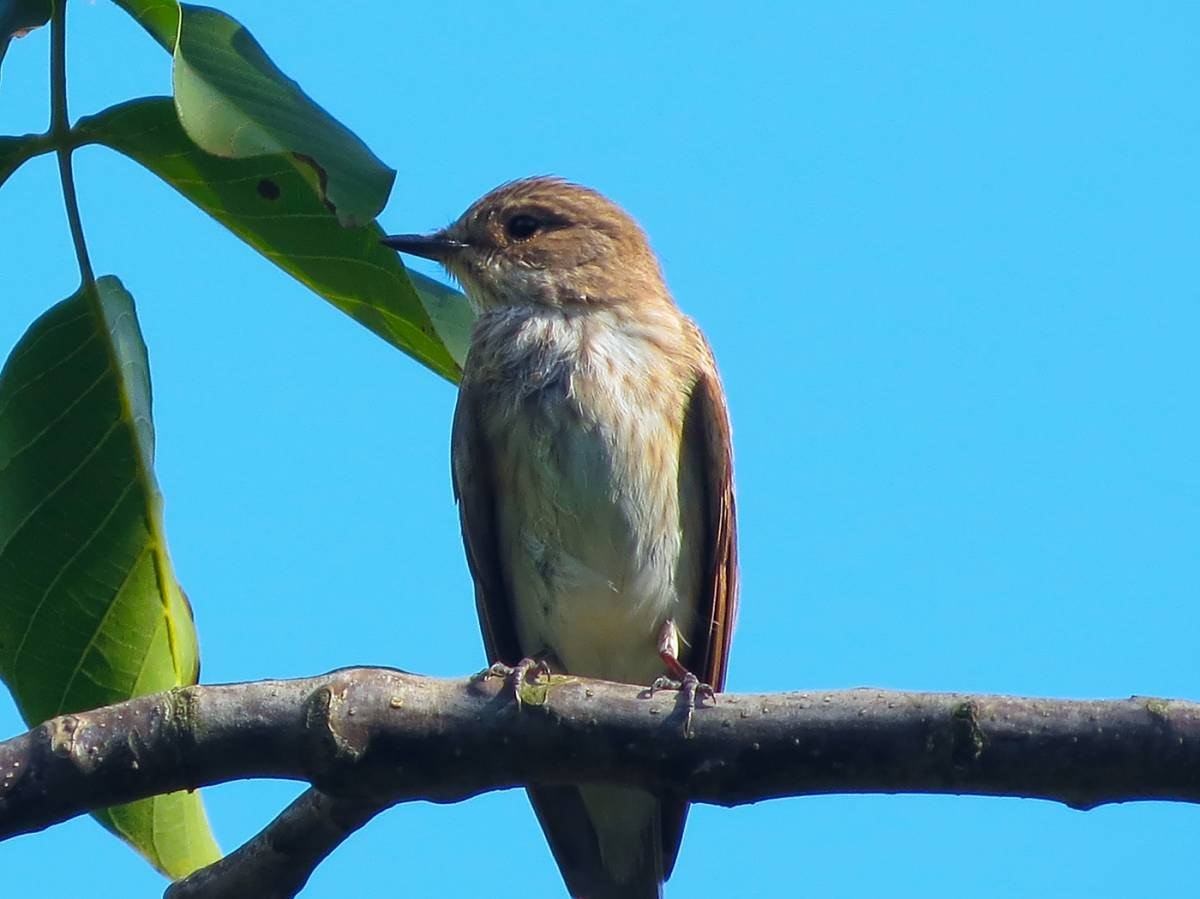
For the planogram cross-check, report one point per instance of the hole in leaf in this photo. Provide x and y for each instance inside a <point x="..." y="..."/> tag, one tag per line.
<point x="322" y="179"/>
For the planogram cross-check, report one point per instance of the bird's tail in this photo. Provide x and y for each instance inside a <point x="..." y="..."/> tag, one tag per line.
<point x="607" y="840"/>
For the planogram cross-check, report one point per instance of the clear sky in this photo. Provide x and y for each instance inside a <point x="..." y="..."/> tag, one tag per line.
<point x="946" y="255"/>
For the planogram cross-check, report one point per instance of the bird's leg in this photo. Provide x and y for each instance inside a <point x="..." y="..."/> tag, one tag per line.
<point x="525" y="671"/>
<point x="688" y="685"/>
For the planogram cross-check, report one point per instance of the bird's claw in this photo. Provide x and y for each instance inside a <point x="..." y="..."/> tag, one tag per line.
<point x="526" y="671"/>
<point x="690" y="689"/>
<point x="662" y="682"/>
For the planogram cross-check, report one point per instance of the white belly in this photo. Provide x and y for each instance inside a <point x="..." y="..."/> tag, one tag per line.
<point x="591" y="535"/>
<point x="594" y="572"/>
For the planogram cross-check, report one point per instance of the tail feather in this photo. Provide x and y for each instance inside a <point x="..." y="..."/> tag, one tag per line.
<point x="567" y="820"/>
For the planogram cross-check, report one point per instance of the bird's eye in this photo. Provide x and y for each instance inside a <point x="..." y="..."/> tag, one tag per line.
<point x="521" y="226"/>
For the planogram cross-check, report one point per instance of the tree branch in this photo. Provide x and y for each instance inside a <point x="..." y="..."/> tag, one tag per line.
<point x="369" y="738"/>
<point x="277" y="862"/>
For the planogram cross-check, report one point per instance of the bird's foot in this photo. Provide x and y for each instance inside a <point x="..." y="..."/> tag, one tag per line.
<point x="525" y="672"/>
<point x="689" y="686"/>
<point x="679" y="677"/>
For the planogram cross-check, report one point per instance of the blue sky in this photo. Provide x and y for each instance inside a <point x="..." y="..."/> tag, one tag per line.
<point x="946" y="256"/>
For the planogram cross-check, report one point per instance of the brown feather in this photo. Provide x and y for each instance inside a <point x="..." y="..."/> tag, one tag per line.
<point x="474" y="489"/>
<point x="721" y="594"/>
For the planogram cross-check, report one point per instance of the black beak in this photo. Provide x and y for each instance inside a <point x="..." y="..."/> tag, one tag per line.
<point x="436" y="246"/>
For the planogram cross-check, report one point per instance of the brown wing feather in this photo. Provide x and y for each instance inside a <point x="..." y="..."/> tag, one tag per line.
<point x="708" y="415"/>
<point x="709" y="438"/>
<point x="472" y="472"/>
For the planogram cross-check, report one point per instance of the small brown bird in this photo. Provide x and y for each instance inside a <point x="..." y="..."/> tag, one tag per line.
<point x="593" y="469"/>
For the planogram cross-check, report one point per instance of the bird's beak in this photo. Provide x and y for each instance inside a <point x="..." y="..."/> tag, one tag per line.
<point x="436" y="246"/>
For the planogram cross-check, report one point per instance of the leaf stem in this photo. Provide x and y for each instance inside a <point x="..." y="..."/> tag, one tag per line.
<point x="60" y="128"/>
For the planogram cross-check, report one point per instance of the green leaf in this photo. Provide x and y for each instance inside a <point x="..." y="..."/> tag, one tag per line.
<point x="268" y="204"/>
<point x="332" y="276"/>
<point x="159" y="17"/>
<point x="90" y="610"/>
<point x="452" y="314"/>
<point x="234" y="102"/>
<point x="14" y="151"/>
<point x="20" y="16"/>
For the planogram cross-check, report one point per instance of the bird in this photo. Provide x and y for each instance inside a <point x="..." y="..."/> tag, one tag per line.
<point x="592" y="464"/>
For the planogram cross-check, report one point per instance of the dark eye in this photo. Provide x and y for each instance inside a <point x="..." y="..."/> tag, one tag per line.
<point x="522" y="226"/>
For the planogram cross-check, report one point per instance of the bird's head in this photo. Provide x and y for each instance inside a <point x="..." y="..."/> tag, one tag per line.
<point x="543" y="241"/>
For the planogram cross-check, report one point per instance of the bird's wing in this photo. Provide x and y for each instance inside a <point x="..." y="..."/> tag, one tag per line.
<point x="712" y="440"/>
<point x="708" y="444"/>
<point x="473" y="474"/>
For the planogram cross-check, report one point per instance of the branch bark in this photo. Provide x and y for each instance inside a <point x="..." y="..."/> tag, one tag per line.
<point x="277" y="862"/>
<point x="369" y="738"/>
